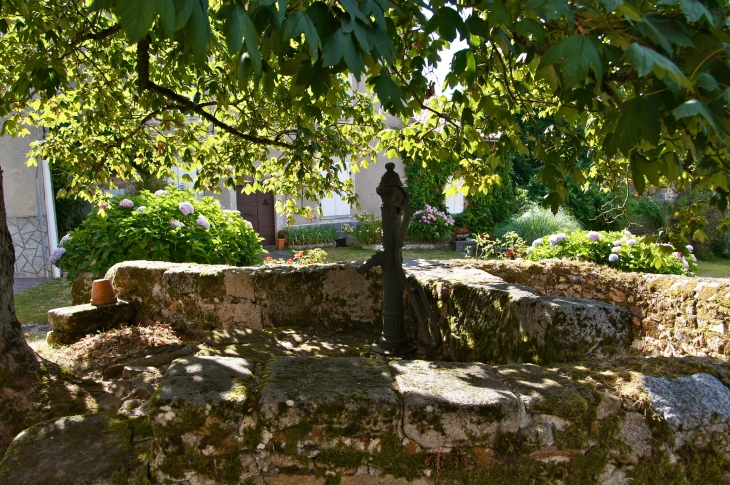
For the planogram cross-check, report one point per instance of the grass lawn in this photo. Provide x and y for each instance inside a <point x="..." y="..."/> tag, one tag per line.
<point x="356" y="254"/>
<point x="32" y="304"/>
<point x="714" y="269"/>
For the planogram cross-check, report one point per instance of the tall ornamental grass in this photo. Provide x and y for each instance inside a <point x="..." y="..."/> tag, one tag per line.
<point x="536" y="222"/>
<point x="169" y="225"/>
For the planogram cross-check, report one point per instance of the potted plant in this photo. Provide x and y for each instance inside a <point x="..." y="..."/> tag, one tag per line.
<point x="461" y="233"/>
<point x="281" y="238"/>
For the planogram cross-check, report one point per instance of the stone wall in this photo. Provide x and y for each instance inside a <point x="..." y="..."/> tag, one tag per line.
<point x="28" y="242"/>
<point x="676" y="315"/>
<point x="481" y="317"/>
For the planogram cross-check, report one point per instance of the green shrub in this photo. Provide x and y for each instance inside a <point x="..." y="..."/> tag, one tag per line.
<point x="538" y="222"/>
<point x="369" y="229"/>
<point x="155" y="228"/>
<point x="430" y="225"/>
<point x="484" y="212"/>
<point x="307" y="235"/>
<point x="619" y="250"/>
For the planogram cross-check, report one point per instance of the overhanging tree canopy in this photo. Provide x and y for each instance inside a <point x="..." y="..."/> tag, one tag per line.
<point x="644" y="86"/>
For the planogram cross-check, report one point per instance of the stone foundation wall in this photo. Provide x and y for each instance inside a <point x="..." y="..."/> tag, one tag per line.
<point x="28" y="242"/>
<point x="676" y="315"/>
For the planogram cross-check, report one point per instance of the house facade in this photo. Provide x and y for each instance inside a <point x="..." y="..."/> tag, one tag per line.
<point x="29" y="207"/>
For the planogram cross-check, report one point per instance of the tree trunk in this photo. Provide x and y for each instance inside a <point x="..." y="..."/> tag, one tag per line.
<point x="20" y="366"/>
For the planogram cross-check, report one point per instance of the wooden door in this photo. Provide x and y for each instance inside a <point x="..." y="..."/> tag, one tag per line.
<point x="258" y="209"/>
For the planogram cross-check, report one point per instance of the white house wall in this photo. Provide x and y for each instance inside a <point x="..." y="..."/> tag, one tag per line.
<point x="21" y="205"/>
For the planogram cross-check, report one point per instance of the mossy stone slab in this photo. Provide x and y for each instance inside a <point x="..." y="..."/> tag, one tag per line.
<point x="545" y="391"/>
<point x="449" y="404"/>
<point x="76" y="321"/>
<point x="71" y="450"/>
<point x="324" y="403"/>
<point x="195" y="416"/>
<point x="689" y="402"/>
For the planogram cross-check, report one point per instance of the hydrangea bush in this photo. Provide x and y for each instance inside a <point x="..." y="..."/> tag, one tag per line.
<point x="430" y="225"/>
<point x="169" y="225"/>
<point x="620" y="250"/>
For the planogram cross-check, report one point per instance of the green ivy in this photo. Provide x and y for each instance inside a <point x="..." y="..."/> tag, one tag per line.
<point x="426" y="183"/>
<point x="484" y="212"/>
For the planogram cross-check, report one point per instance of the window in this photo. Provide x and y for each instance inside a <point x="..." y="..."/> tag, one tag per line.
<point x="455" y="203"/>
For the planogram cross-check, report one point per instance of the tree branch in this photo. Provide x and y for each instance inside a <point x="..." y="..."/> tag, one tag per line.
<point x="144" y="83"/>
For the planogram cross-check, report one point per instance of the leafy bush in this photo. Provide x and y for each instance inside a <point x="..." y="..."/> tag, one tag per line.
<point x="616" y="249"/>
<point x="430" y="225"/>
<point x="509" y="246"/>
<point x="316" y="255"/>
<point x="484" y="212"/>
<point x="369" y="229"/>
<point x="305" y="235"/>
<point x="171" y="226"/>
<point x="537" y="222"/>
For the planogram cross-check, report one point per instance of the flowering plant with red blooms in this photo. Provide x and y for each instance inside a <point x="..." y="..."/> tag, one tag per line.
<point x="461" y="230"/>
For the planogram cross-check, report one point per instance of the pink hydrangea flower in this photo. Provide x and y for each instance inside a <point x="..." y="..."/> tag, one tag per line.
<point x="141" y="208"/>
<point x="126" y="203"/>
<point x="203" y="222"/>
<point x="186" y="208"/>
<point x="160" y="192"/>
<point x="56" y="255"/>
<point x="593" y="236"/>
<point x="613" y="258"/>
<point x="175" y="223"/>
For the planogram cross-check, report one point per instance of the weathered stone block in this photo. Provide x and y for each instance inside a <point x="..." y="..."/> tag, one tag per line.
<point x="195" y="416"/>
<point x="239" y="284"/>
<point x="70" y="450"/>
<point x="73" y="322"/>
<point x="312" y="404"/>
<point x="449" y="404"/>
<point x="487" y="320"/>
<point x="690" y="402"/>
<point x="81" y="288"/>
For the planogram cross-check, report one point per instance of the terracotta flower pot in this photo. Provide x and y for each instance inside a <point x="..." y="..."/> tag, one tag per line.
<point x="280" y="243"/>
<point x="102" y="293"/>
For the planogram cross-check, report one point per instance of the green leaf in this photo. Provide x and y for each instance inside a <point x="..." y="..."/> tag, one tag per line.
<point x="299" y="23"/>
<point x="361" y="34"/>
<point x="458" y="62"/>
<point x="166" y="11"/>
<point x="353" y="57"/>
<point x="281" y="10"/>
<point x="232" y="16"/>
<point x="498" y="14"/>
<point x="478" y="26"/>
<point x="665" y="32"/>
<point x="449" y="22"/>
<point x="334" y="49"/>
<point x="252" y="42"/>
<point x="352" y="8"/>
<point x="183" y="9"/>
<point x="136" y="17"/>
<point x="578" y="54"/>
<point x="640" y="118"/>
<point x="694" y="107"/>
<point x="708" y="82"/>
<point x="646" y="60"/>
<point x="694" y="10"/>
<point x="389" y="93"/>
<point x="199" y="31"/>
<point x="532" y="27"/>
<point x="610" y="5"/>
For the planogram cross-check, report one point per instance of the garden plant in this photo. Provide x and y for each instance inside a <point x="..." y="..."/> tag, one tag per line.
<point x="620" y="250"/>
<point x="430" y="225"/>
<point x="306" y="235"/>
<point x="368" y="230"/>
<point x="169" y="225"/>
